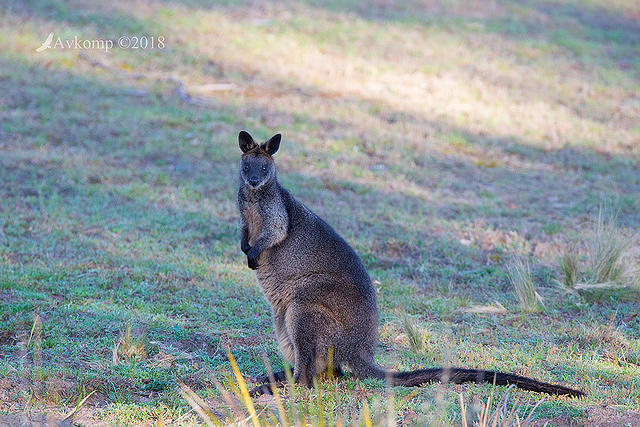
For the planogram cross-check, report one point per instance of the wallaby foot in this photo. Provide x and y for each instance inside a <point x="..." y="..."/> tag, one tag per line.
<point x="280" y="380"/>
<point x="265" y="389"/>
<point x="280" y="376"/>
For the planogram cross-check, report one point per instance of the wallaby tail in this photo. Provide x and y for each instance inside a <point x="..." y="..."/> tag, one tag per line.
<point x="368" y="368"/>
<point x="461" y="375"/>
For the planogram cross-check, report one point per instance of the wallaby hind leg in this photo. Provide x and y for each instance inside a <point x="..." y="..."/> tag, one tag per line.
<point x="311" y="351"/>
<point x="310" y="329"/>
<point x="305" y="366"/>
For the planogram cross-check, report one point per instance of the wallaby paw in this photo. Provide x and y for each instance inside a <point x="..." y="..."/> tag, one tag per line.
<point x="252" y="258"/>
<point x="252" y="263"/>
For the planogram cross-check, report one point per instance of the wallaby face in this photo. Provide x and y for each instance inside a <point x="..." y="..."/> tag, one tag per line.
<point x="257" y="167"/>
<point x="321" y="297"/>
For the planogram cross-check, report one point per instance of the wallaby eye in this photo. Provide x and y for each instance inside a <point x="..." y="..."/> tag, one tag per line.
<point x="245" y="167"/>
<point x="264" y="169"/>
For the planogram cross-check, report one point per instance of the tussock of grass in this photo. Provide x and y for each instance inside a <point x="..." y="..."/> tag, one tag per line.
<point x="608" y="252"/>
<point x="609" y="267"/>
<point x="608" y="335"/>
<point x="570" y="268"/>
<point x="129" y="347"/>
<point x="416" y="336"/>
<point x="519" y="272"/>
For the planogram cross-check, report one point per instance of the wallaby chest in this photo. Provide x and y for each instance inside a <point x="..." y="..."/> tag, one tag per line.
<point x="253" y="219"/>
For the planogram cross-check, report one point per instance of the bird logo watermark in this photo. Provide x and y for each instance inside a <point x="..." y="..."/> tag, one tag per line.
<point x="46" y="44"/>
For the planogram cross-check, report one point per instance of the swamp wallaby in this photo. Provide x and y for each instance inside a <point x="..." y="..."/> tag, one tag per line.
<point x="319" y="291"/>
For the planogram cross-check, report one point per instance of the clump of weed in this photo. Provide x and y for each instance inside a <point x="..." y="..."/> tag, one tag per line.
<point x="601" y="264"/>
<point x="129" y="347"/>
<point x="519" y="273"/>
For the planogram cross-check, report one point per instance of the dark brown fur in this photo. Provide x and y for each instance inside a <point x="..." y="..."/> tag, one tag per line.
<point x="320" y="293"/>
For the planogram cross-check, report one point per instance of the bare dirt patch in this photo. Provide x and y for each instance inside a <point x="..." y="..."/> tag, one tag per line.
<point x="32" y="420"/>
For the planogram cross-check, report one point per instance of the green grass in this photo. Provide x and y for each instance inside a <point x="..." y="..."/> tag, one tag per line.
<point x="440" y="142"/>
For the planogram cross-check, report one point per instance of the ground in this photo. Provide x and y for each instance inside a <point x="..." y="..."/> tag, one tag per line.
<point x="438" y="138"/>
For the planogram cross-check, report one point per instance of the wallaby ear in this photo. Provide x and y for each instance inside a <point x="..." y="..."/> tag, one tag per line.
<point x="246" y="141"/>
<point x="272" y="145"/>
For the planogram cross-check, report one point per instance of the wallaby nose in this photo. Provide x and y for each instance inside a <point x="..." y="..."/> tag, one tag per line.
<point x="254" y="181"/>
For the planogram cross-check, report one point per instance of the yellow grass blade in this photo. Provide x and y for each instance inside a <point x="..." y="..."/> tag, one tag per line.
<point x="366" y="414"/>
<point x="319" y="409"/>
<point x="330" y="365"/>
<point x="243" y="389"/>
<point x="36" y="320"/>
<point x="463" y="411"/>
<point x="276" y="394"/>
<point x="198" y="405"/>
<point x="78" y="406"/>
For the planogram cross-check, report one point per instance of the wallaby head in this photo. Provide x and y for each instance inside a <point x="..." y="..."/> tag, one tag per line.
<point x="257" y="167"/>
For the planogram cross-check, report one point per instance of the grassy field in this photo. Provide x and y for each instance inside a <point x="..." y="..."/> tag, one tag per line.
<point x="441" y="139"/>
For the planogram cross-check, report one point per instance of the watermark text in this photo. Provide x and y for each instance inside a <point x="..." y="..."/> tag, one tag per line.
<point x="123" y="42"/>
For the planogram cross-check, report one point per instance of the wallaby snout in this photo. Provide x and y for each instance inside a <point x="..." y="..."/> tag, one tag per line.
<point x="256" y="170"/>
